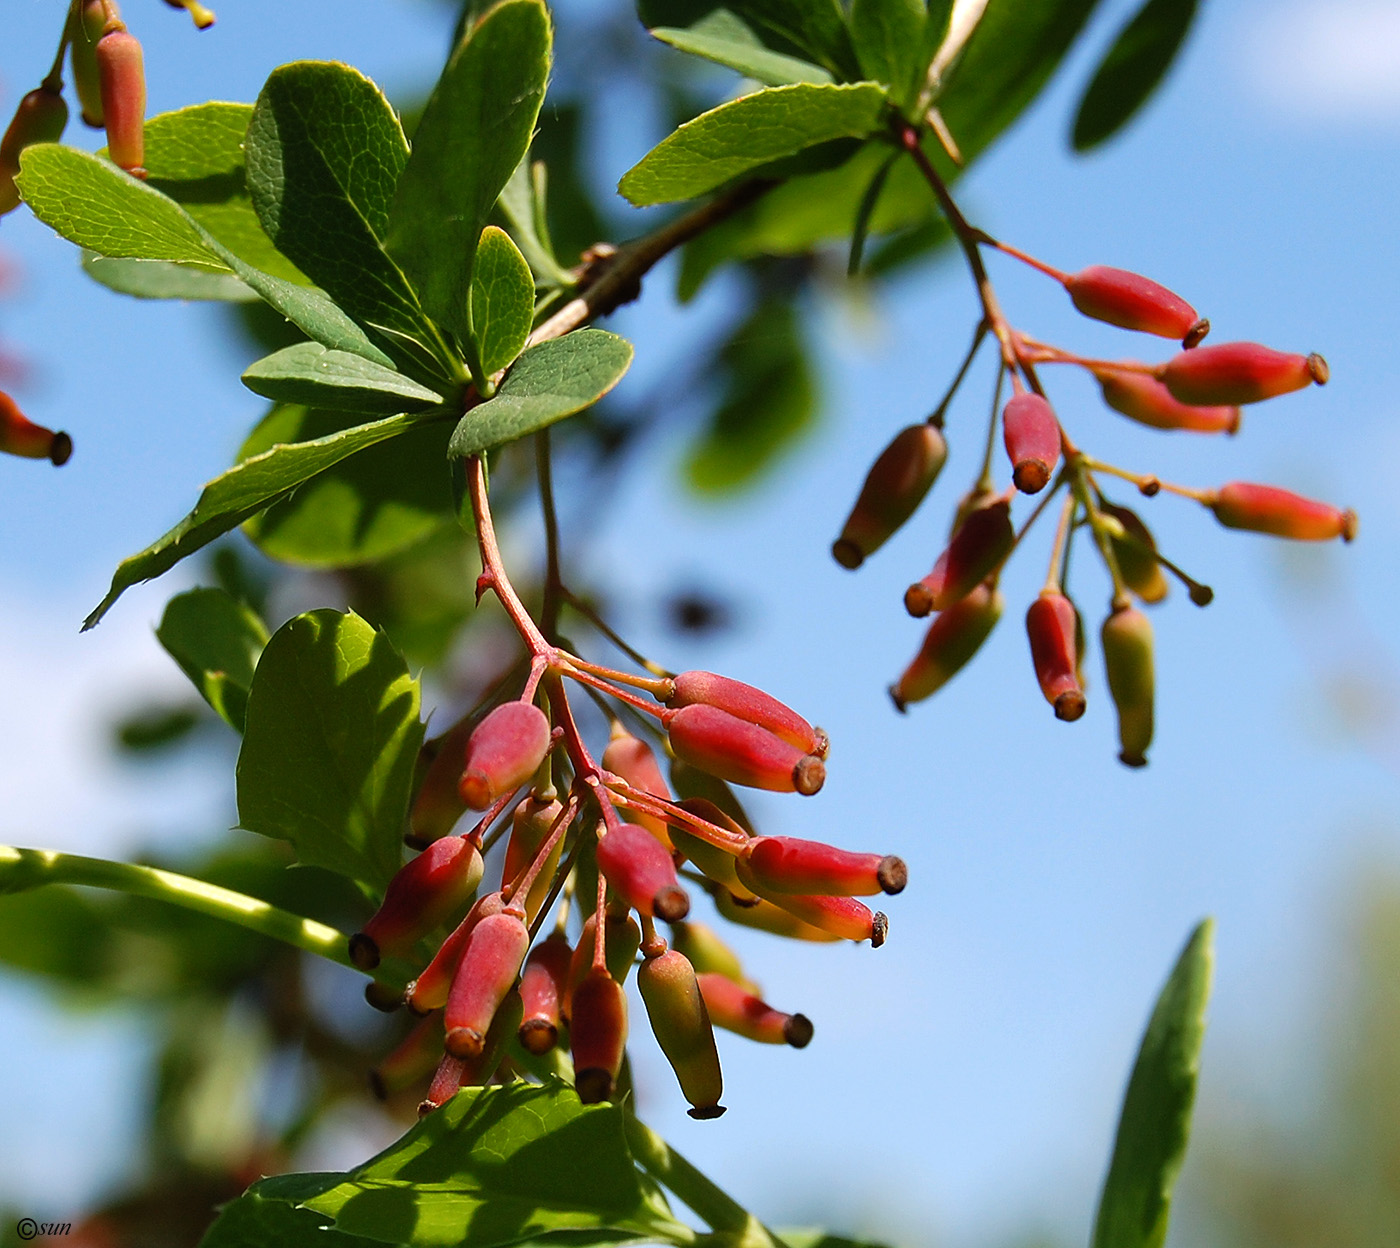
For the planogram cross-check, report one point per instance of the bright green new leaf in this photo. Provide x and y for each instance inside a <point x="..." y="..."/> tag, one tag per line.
<point x="889" y="40"/>
<point x="474" y="132"/>
<point x="365" y="508"/>
<point x="549" y="382"/>
<point x="309" y="373"/>
<point x="722" y="37"/>
<point x="330" y="740"/>
<point x="1131" y="70"/>
<point x="495" y="1166"/>
<point x="243" y="491"/>
<point x="1156" y="1117"/>
<point x="754" y="130"/>
<point x="216" y="640"/>
<point x="503" y="300"/>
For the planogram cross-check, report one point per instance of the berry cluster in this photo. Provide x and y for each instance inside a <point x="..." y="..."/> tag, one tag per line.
<point x="595" y="843"/>
<point x="1200" y="389"/>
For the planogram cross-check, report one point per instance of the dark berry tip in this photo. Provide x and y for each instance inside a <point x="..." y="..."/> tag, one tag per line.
<point x="879" y="929"/>
<point x="671" y="903"/>
<point x="364" y="952"/>
<point x="1202" y="595"/>
<point x="847" y="554"/>
<point x="464" y="1042"/>
<point x="808" y="775"/>
<point x="1132" y="760"/>
<point x="1349" y="524"/>
<point x="892" y="875"/>
<point x="62" y="449"/>
<point x="593" y="1085"/>
<point x="382" y="997"/>
<point x="538" y="1036"/>
<point x="1195" y="334"/>
<point x="798" y="1031"/>
<point x="917" y="600"/>
<point x="703" y="1113"/>
<point x="1318" y="369"/>
<point x="1069" y="706"/>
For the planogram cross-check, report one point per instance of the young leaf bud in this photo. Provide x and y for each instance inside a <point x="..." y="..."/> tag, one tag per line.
<point x="786" y="864"/>
<point x="1134" y="553"/>
<point x="40" y="118"/>
<point x="751" y="705"/>
<point x="633" y="760"/>
<point x="1267" y="509"/>
<point x="21" y="436"/>
<point x="1239" y="372"/>
<point x="1032" y="437"/>
<point x="640" y="869"/>
<point x="895" y="486"/>
<point x="745" y="1014"/>
<point x="430" y="990"/>
<point x="121" y="69"/>
<point x="1146" y="400"/>
<point x="490" y="962"/>
<point x="1127" y="659"/>
<point x="741" y="752"/>
<point x="598" y="1036"/>
<point x="980" y="544"/>
<point x="530" y="824"/>
<point x="764" y="916"/>
<point x="425" y="893"/>
<point x="543" y="983"/>
<point x="621" y="940"/>
<point x="952" y="639"/>
<point x="682" y="1028"/>
<point x="82" y="50"/>
<point x="503" y="752"/>
<point x="1050" y="625"/>
<point x="841" y="916"/>
<point x="1132" y="301"/>
<point x="715" y="863"/>
<point x="707" y="952"/>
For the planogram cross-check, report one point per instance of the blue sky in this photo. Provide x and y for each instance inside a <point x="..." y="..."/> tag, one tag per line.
<point x="964" y="1080"/>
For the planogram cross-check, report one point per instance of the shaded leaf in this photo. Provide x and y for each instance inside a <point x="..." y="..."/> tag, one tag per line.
<point x="810" y="30"/>
<point x="473" y="134"/>
<point x="865" y="212"/>
<point x="329" y="744"/>
<point x="889" y="42"/>
<point x="243" y="491"/>
<point x="549" y="382"/>
<point x="808" y="1237"/>
<point x="160" y="279"/>
<point x="216" y="640"/>
<point x="503" y="300"/>
<point x="269" y="1213"/>
<point x="521" y="211"/>
<point x="366" y="507"/>
<point x="1131" y="70"/>
<point x="749" y="132"/>
<point x="1156" y="1118"/>
<point x="310" y="373"/>
<point x="722" y="37"/>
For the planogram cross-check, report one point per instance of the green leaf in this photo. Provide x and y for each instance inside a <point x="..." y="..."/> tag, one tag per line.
<point x="324" y="151"/>
<point x="549" y="382"/>
<point x="365" y="508"/>
<point x="1156" y="1118"/>
<point x="473" y="134"/>
<point x="520" y="208"/>
<point x="1131" y="70"/>
<point x="329" y="746"/>
<point x="243" y="491"/>
<point x="889" y="40"/>
<point x="495" y="1166"/>
<point x="768" y="401"/>
<point x="722" y="37"/>
<point x="807" y="30"/>
<point x="503" y="300"/>
<point x="861" y="230"/>
<point x="310" y="373"/>
<point x="754" y="130"/>
<point x="269" y="1214"/>
<point x="216" y="640"/>
<point x="809" y="1237"/>
<point x="159" y="279"/>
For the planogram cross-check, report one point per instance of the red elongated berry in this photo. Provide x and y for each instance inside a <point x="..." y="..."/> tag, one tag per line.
<point x="456" y="1072"/>
<point x="121" y="70"/>
<point x="1032" y="437"/>
<point x="40" y="118"/>
<point x="681" y="1025"/>
<point x="745" y="1014"/>
<point x="1050" y="625"/>
<point x="741" y="752"/>
<point x="438" y="805"/>
<point x="429" y="991"/>
<point x="762" y="915"/>
<point x="1135" y="553"/>
<point x="640" y="869"/>
<point x="1267" y="509"/>
<point x="21" y="436"/>
<point x="598" y="1036"/>
<point x="715" y="862"/>
<point x="530" y="824"/>
<point x="413" y="1059"/>
<point x="621" y="940"/>
<point x="1132" y="301"/>
<point x="543" y="983"/>
<point x="503" y="752"/>
<point x="1143" y="398"/>
<point x="1127" y="660"/>
<point x="894" y="487"/>
<point x="490" y="963"/>
<point x="425" y="893"/>
<point x="751" y="705"/>
<point x="446" y="1080"/>
<point x="980" y="544"/>
<point x="1239" y="372"/>
<point x="82" y="52"/>
<point x="633" y="760"/>
<point x="787" y="864"/>
<point x="705" y="951"/>
<point x="841" y="916"/>
<point x="952" y="639"/>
